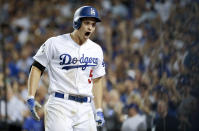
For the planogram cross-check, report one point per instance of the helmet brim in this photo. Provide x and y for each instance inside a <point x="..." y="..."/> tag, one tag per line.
<point x="96" y="18"/>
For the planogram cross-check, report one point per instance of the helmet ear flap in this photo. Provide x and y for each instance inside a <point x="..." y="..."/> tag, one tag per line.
<point x="77" y="24"/>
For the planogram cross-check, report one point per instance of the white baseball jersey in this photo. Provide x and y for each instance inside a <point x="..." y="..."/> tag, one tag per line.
<point x="71" y="67"/>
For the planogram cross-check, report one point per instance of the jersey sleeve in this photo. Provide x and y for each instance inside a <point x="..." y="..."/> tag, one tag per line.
<point x="44" y="53"/>
<point x="99" y="70"/>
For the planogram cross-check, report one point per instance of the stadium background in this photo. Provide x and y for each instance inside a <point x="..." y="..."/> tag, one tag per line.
<point x="151" y="50"/>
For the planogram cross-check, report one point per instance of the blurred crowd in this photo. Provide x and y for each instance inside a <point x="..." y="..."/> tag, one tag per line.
<point x="151" y="51"/>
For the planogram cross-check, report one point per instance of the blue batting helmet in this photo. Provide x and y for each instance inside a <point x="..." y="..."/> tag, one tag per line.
<point x="84" y="12"/>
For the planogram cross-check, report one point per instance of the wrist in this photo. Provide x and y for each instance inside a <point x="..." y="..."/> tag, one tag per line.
<point x="99" y="110"/>
<point x="30" y="97"/>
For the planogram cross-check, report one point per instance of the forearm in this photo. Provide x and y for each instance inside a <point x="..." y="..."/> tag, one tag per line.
<point x="98" y="92"/>
<point x="33" y="80"/>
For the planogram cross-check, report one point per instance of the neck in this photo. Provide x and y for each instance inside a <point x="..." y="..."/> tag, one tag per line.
<point x="77" y="37"/>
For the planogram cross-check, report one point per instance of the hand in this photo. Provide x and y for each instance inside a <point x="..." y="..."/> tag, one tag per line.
<point x="32" y="105"/>
<point x="99" y="117"/>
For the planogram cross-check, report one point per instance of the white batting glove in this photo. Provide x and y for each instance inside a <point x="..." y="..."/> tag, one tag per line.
<point x="32" y="105"/>
<point x="99" y="118"/>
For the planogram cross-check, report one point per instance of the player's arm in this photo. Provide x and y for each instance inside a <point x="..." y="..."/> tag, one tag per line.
<point x="98" y="85"/>
<point x="33" y="82"/>
<point x="34" y="78"/>
<point x="98" y="96"/>
<point x="98" y="92"/>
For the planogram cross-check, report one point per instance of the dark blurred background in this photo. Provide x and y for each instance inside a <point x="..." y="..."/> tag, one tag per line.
<point x="151" y="50"/>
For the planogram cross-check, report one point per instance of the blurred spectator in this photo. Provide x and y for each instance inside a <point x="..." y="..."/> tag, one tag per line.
<point x="25" y="60"/>
<point x="30" y="124"/>
<point x="164" y="7"/>
<point x="165" y="122"/>
<point x="135" y="120"/>
<point x="16" y="109"/>
<point x="113" y="111"/>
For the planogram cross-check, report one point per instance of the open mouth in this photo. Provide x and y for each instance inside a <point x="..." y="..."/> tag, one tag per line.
<point x="87" y="33"/>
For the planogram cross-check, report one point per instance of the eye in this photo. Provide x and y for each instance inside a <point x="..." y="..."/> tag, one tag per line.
<point x="86" y="23"/>
<point x="93" y="24"/>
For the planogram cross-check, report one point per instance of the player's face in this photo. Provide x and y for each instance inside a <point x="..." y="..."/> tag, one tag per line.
<point x="87" y="28"/>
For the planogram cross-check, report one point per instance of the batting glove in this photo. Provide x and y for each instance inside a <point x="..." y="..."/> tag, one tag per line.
<point x="32" y="105"/>
<point x="99" y="117"/>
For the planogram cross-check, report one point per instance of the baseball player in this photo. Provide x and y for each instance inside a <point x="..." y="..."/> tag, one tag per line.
<point x="75" y="67"/>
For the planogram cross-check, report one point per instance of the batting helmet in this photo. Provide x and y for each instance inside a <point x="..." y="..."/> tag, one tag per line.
<point x="84" y="12"/>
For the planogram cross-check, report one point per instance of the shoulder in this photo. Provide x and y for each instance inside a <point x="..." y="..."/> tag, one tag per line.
<point x="56" y="40"/>
<point x="59" y="38"/>
<point x="141" y="118"/>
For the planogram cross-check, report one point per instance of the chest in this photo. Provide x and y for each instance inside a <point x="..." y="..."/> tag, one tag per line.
<point x="73" y="56"/>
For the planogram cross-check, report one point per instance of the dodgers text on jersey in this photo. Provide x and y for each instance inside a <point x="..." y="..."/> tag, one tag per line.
<point x="69" y="62"/>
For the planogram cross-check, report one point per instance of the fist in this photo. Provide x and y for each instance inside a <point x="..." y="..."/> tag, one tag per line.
<point x="99" y="118"/>
<point x="32" y="105"/>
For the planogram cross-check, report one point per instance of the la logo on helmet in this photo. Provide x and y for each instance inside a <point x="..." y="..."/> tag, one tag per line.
<point x="92" y="11"/>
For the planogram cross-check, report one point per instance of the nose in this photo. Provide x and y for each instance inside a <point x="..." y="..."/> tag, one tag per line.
<point x="89" y="27"/>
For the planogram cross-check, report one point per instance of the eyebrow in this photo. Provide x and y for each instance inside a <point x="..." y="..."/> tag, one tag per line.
<point x="87" y="19"/>
<point x="90" y="21"/>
